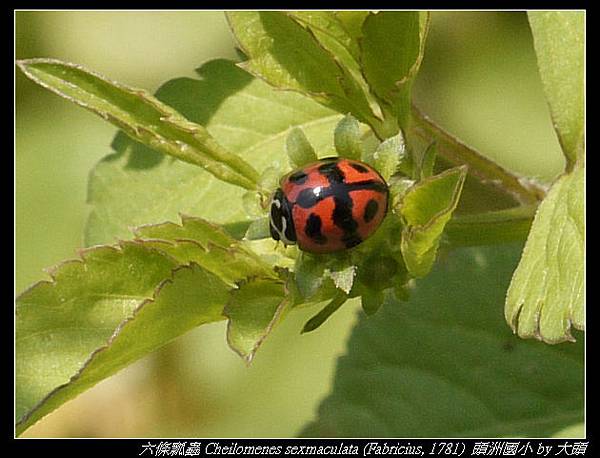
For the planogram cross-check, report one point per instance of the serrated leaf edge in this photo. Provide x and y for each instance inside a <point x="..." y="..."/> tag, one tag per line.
<point x="321" y="97"/>
<point x="463" y="169"/>
<point x="514" y="320"/>
<point x="233" y="248"/>
<point x="287" y="300"/>
<point x="23" y="420"/>
<point x="384" y="98"/>
<point x="216" y="158"/>
<point x="184" y="218"/>
<point x="52" y="271"/>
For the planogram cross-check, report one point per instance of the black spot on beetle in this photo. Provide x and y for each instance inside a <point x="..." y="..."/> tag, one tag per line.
<point x="332" y="172"/>
<point x="307" y="198"/>
<point x="342" y="214"/>
<point x="358" y="167"/>
<point x="298" y="177"/>
<point x="313" y="229"/>
<point x="370" y="210"/>
<point x="352" y="240"/>
<point x="342" y="218"/>
<point x="371" y="185"/>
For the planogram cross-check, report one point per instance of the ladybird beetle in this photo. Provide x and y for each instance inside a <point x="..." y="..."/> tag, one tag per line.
<point x="329" y="205"/>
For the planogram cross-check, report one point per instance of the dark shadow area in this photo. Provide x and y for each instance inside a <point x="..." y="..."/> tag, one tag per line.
<point x="197" y="100"/>
<point x="455" y="367"/>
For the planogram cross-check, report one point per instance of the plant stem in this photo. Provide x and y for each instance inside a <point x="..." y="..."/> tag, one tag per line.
<point x="325" y="313"/>
<point x="488" y="228"/>
<point x="524" y="191"/>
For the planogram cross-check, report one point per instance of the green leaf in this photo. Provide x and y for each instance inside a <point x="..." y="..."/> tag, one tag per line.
<point x="399" y="186"/>
<point x="142" y="117"/>
<point x="426" y="208"/>
<point x="310" y="276"/>
<point x="570" y="432"/>
<point x="71" y="331"/>
<point x="342" y="276"/>
<point x="67" y="351"/>
<point x="289" y="56"/>
<point x="329" y="29"/>
<point x="384" y="268"/>
<point x="253" y="311"/>
<point x="546" y="293"/>
<point x="245" y="115"/>
<point x="444" y="364"/>
<point x="391" y="50"/>
<point x="371" y="301"/>
<point x="389" y="155"/>
<point x="270" y="176"/>
<point x="258" y="229"/>
<point x="299" y="150"/>
<point x="352" y="22"/>
<point x="331" y="34"/>
<point x="207" y="245"/>
<point x="59" y="323"/>
<point x="319" y="276"/>
<point x="428" y="162"/>
<point x="252" y="203"/>
<point x="284" y="53"/>
<point x="347" y="138"/>
<point x="558" y="37"/>
<point x="191" y="228"/>
<point x="278" y="257"/>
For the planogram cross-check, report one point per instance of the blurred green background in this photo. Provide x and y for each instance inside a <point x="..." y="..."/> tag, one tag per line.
<point x="479" y="80"/>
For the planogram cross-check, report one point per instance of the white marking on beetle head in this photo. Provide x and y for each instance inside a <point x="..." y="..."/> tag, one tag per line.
<point x="284" y="224"/>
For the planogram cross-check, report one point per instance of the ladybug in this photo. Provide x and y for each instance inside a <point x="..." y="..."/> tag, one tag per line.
<point x="330" y="205"/>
